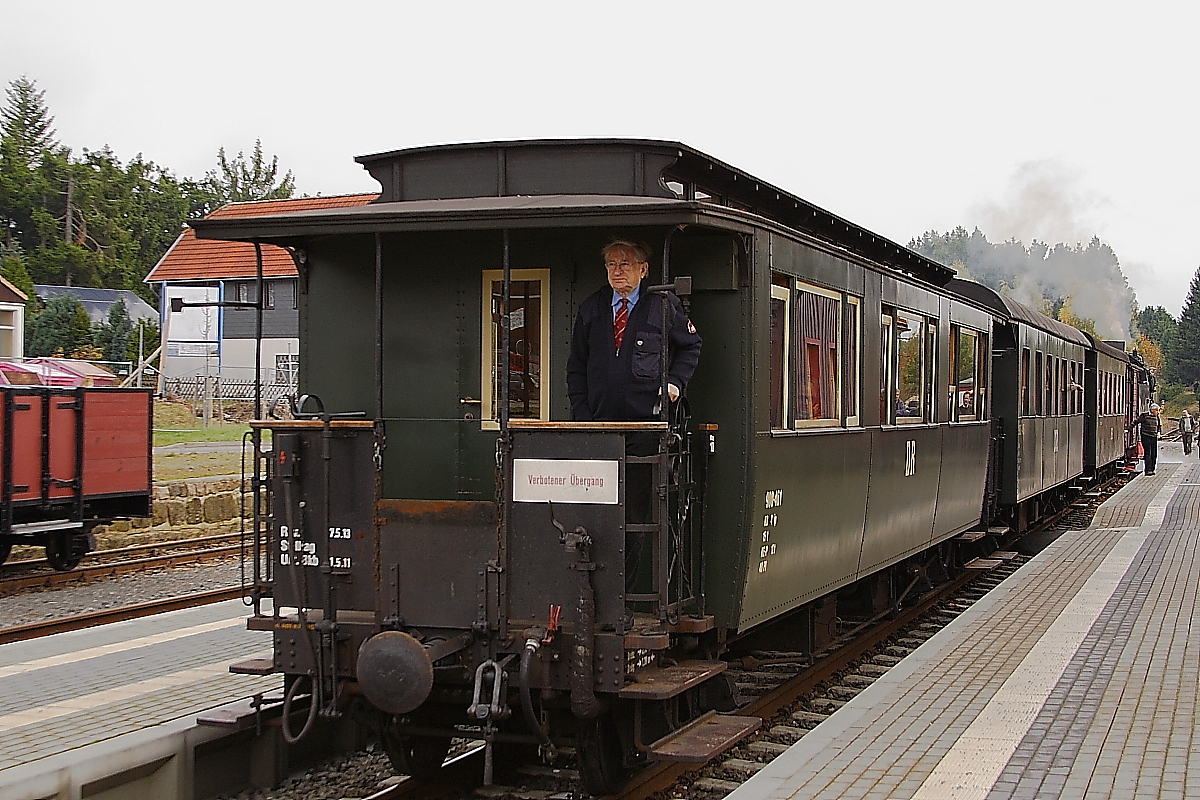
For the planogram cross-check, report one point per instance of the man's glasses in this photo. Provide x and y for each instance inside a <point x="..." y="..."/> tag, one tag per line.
<point x="623" y="266"/>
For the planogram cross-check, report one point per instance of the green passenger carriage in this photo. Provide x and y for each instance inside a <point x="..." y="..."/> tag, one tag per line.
<point x="834" y="437"/>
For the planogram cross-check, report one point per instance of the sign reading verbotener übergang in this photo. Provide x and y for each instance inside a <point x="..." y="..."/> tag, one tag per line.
<point x="536" y="480"/>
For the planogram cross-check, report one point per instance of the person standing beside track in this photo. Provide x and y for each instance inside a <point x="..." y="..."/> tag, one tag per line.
<point x="1187" y="429"/>
<point x="613" y="370"/>
<point x="1150" y="425"/>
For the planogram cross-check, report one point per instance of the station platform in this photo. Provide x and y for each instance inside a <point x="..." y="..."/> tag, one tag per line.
<point x="1077" y="677"/>
<point x="78" y="708"/>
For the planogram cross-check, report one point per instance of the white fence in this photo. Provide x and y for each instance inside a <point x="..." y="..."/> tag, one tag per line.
<point x="212" y="392"/>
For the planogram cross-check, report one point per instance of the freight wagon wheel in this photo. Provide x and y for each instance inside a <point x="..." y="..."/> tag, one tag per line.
<point x="61" y="553"/>
<point x="600" y="753"/>
<point x="5" y="549"/>
<point x="419" y="756"/>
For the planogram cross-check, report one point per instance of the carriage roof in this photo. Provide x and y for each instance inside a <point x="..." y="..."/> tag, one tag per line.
<point x="538" y="183"/>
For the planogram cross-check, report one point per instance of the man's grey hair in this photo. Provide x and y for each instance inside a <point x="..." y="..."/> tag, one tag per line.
<point x="639" y="251"/>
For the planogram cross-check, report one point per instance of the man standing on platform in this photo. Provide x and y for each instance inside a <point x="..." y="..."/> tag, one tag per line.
<point x="1187" y="429"/>
<point x="1150" y="425"/>
<point x="613" y="371"/>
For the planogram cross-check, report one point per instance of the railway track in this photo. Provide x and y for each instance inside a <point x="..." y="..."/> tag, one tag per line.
<point x="19" y="576"/>
<point x="786" y="686"/>
<point x="33" y="630"/>
<point x="791" y="695"/>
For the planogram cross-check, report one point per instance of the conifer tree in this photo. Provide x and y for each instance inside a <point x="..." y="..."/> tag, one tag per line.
<point x="25" y="122"/>
<point x="112" y="336"/>
<point x="61" y="328"/>
<point x="1186" y="347"/>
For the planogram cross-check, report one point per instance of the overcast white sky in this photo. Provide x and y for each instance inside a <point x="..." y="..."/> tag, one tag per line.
<point x="1054" y="120"/>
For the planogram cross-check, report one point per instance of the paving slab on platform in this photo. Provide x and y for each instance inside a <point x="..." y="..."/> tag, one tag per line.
<point x="1076" y="677"/>
<point x="73" y="690"/>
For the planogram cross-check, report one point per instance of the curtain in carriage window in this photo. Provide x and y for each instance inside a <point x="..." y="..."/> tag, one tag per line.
<point x="816" y="387"/>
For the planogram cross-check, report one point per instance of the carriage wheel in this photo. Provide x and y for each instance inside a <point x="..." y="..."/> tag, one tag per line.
<point x="60" y="551"/>
<point x="600" y="753"/>
<point x="5" y="549"/>
<point x="419" y="756"/>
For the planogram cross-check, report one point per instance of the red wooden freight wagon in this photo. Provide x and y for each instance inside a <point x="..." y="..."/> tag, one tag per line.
<point x="72" y="459"/>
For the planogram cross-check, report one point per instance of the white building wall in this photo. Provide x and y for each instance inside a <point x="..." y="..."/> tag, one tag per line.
<point x="191" y="336"/>
<point x="12" y="330"/>
<point x="237" y="359"/>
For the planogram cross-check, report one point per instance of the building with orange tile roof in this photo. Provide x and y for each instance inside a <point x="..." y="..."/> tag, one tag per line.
<point x="220" y="341"/>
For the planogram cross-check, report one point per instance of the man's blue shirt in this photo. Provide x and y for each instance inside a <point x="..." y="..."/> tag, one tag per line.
<point x="633" y="298"/>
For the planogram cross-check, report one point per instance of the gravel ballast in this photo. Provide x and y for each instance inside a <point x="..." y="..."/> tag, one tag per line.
<point x="39" y="605"/>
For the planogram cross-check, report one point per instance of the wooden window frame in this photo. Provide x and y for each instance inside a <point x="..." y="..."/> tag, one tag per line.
<point x="1026" y="358"/>
<point x="852" y="419"/>
<point x="784" y="293"/>
<point x="979" y="374"/>
<point x="835" y="420"/>
<point x="923" y="370"/>
<point x="488" y="420"/>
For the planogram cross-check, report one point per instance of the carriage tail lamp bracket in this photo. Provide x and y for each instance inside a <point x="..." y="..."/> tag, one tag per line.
<point x="681" y="286"/>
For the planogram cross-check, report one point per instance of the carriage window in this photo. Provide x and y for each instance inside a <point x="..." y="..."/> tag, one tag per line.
<point x="780" y="351"/>
<point x="930" y="371"/>
<point x="1055" y="387"/>
<point x="816" y="387"/>
<point x="1024" y="382"/>
<point x="909" y="395"/>
<point x="850" y="348"/>
<point x="1077" y="388"/>
<point x="1063" y="387"/>
<point x="1037" y="384"/>
<point x="1048" y="387"/>
<point x="1071" y="388"/>
<point x="969" y="368"/>
<point x="529" y="345"/>
<point x="1082" y="381"/>
<point x="885" y="372"/>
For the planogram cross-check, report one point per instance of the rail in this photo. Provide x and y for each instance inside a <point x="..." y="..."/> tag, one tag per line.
<point x="10" y="584"/>
<point x="34" y="630"/>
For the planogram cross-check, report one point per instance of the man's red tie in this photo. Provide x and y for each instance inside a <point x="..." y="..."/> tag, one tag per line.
<point x="619" y="320"/>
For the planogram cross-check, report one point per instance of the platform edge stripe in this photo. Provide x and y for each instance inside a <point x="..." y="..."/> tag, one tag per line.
<point x="73" y="705"/>
<point x="116" y="647"/>
<point x="970" y="769"/>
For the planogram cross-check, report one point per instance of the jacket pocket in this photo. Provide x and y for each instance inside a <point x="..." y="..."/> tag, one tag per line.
<point x="645" y="355"/>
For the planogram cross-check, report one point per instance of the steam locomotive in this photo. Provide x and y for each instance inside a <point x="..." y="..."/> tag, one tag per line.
<point x="444" y="549"/>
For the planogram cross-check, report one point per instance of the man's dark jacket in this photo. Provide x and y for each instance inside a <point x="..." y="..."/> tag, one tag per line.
<point x="605" y="385"/>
